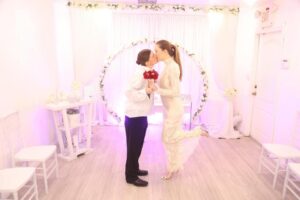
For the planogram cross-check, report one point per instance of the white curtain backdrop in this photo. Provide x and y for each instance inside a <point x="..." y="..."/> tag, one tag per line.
<point x="99" y="33"/>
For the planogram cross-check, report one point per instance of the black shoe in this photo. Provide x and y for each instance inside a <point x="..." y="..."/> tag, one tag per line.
<point x="138" y="182"/>
<point x="142" y="172"/>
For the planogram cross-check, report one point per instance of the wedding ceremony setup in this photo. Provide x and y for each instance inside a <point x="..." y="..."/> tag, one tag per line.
<point x="150" y="99"/>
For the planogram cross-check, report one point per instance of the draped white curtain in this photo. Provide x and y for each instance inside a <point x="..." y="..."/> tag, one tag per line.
<point x="99" y="33"/>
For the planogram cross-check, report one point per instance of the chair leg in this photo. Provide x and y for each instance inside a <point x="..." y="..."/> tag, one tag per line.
<point x="276" y="172"/>
<point x="35" y="187"/>
<point x="16" y="197"/>
<point x="45" y="177"/>
<point x="261" y="159"/>
<point x="56" y="164"/>
<point x="285" y="183"/>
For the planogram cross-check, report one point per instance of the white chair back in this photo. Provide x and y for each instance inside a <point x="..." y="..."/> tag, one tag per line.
<point x="11" y="139"/>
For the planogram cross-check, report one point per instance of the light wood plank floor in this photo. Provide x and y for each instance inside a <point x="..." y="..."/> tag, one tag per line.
<point x="217" y="170"/>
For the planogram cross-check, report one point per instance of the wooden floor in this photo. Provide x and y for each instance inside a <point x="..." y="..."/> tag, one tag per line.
<point x="217" y="170"/>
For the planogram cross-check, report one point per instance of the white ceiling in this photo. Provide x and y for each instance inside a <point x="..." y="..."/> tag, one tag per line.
<point x="189" y="2"/>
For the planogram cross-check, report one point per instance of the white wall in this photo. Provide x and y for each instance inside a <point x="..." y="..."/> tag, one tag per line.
<point x="28" y="68"/>
<point x="7" y="56"/>
<point x="64" y="51"/>
<point x="287" y="122"/>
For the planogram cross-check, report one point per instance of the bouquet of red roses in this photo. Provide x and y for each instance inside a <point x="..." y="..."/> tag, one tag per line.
<point x="152" y="74"/>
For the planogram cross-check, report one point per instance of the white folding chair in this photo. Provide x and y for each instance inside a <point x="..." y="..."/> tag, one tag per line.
<point x="292" y="176"/>
<point x="279" y="153"/>
<point x="44" y="158"/>
<point x="12" y="180"/>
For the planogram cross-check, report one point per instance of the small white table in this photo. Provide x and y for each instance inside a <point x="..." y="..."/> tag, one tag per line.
<point x="62" y="125"/>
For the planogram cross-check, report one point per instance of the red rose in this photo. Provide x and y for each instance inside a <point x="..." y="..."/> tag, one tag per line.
<point x="151" y="74"/>
<point x="154" y="74"/>
<point x="146" y="75"/>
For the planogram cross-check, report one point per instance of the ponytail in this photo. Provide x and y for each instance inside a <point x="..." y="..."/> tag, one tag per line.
<point x="173" y="52"/>
<point x="176" y="57"/>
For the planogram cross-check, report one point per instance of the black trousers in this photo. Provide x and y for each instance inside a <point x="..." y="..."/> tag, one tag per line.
<point x="135" y="128"/>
